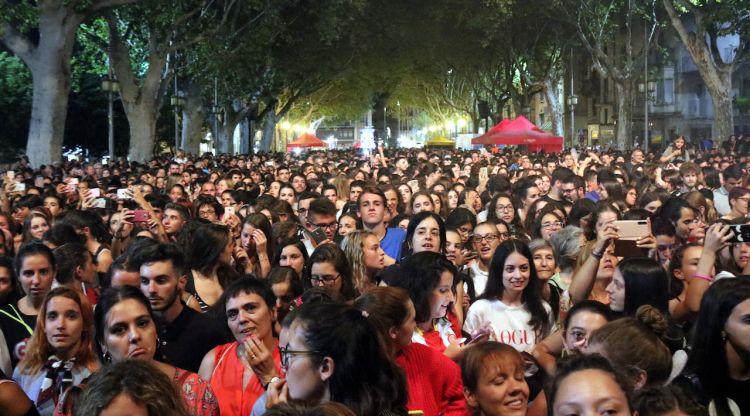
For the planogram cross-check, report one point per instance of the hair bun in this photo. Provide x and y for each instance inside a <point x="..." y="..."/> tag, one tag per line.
<point x="653" y="319"/>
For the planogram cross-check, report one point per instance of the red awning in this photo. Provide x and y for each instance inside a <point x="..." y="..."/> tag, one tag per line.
<point x="307" y="140"/>
<point x="520" y="132"/>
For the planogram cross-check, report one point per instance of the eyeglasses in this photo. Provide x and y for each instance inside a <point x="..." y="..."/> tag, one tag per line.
<point x="326" y="280"/>
<point x="551" y="224"/>
<point x="206" y="212"/>
<point x="332" y="226"/>
<point x="506" y="208"/>
<point x="285" y="353"/>
<point x="489" y="237"/>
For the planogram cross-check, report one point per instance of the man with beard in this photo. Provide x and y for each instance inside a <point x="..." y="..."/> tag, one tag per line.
<point x="186" y="335"/>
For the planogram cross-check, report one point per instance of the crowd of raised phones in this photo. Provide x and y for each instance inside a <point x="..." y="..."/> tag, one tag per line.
<point x="400" y="282"/>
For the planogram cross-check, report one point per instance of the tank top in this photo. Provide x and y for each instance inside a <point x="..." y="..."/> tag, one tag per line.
<point x="226" y="380"/>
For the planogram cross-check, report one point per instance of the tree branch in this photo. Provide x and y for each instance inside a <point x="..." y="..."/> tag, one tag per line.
<point x="19" y="44"/>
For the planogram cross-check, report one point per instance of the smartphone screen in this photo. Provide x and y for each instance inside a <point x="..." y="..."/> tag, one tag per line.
<point x="318" y="235"/>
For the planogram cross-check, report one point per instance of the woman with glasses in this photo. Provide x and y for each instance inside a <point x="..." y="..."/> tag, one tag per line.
<point x="512" y="304"/>
<point x="484" y="241"/>
<point x="503" y="208"/>
<point x="546" y="225"/>
<point x="328" y="268"/>
<point x="207" y="208"/>
<point x="334" y="353"/>
<point x="240" y="371"/>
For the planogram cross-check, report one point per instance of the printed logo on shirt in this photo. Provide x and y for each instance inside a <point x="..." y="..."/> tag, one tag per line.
<point x="20" y="349"/>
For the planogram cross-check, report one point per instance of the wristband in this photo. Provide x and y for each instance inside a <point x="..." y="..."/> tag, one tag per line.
<point x="704" y="277"/>
<point x="596" y="255"/>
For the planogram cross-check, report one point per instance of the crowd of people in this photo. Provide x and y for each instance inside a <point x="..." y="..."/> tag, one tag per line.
<point x="407" y="281"/>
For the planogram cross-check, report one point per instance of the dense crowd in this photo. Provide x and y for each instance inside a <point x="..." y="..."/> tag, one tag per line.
<point x="421" y="282"/>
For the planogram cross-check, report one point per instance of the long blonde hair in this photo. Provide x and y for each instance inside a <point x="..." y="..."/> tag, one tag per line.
<point x="39" y="349"/>
<point x="353" y="245"/>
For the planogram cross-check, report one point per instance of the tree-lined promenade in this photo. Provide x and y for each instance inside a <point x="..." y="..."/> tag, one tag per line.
<point x="226" y="62"/>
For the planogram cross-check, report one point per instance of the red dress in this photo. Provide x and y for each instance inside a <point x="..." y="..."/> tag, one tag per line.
<point x="196" y="393"/>
<point x="433" y="381"/>
<point x="226" y="380"/>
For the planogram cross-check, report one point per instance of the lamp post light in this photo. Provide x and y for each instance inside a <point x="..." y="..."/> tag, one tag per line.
<point x="110" y="86"/>
<point x="572" y="102"/>
<point x="177" y="101"/>
<point x="647" y="89"/>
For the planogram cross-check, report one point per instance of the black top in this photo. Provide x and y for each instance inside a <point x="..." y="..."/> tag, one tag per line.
<point x="16" y="334"/>
<point x="187" y="339"/>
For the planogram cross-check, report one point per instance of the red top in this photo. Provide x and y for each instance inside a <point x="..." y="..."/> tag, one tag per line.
<point x="433" y="380"/>
<point x="226" y="380"/>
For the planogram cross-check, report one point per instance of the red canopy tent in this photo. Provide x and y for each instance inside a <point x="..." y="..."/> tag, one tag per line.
<point x="307" y="140"/>
<point x="521" y="132"/>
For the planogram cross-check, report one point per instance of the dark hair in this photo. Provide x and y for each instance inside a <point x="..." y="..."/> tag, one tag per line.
<point x="87" y="219"/>
<point x="414" y="222"/>
<point x="261" y="222"/>
<point x="532" y="294"/>
<point x="321" y="206"/>
<point x="514" y="227"/>
<point x="290" y="241"/>
<point x="459" y="217"/>
<point x="581" y="208"/>
<point x="708" y="358"/>
<point x="248" y="285"/>
<point x="307" y="408"/>
<point x="387" y="307"/>
<point x="68" y="257"/>
<point x="587" y="305"/>
<point x="331" y="253"/>
<point x="107" y="300"/>
<point x="600" y="208"/>
<point x="676" y="285"/>
<point x="206" y="246"/>
<point x="184" y="212"/>
<point x="285" y="274"/>
<point x="581" y="362"/>
<point x="365" y="379"/>
<point x="207" y="200"/>
<point x="645" y="284"/>
<point x="15" y="291"/>
<point x="60" y="234"/>
<point x="160" y="252"/>
<point x="672" y="209"/>
<point x="419" y="276"/>
<point x="658" y="401"/>
<point x="34" y="248"/>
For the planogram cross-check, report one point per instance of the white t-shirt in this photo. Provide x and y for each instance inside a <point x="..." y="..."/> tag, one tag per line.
<point x="479" y="277"/>
<point x="510" y="324"/>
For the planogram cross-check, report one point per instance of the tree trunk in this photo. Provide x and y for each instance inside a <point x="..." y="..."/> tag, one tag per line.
<point x="193" y="119"/>
<point x="142" y="121"/>
<point x="49" y="63"/>
<point x="623" y="136"/>
<point x="269" y="129"/>
<point x="716" y="74"/>
<point x="723" y="125"/>
<point x="552" y="95"/>
<point x="49" y="108"/>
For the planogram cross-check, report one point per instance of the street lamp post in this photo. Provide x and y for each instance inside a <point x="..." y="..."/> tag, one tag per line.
<point x="647" y="89"/>
<point x="572" y="102"/>
<point x="110" y="86"/>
